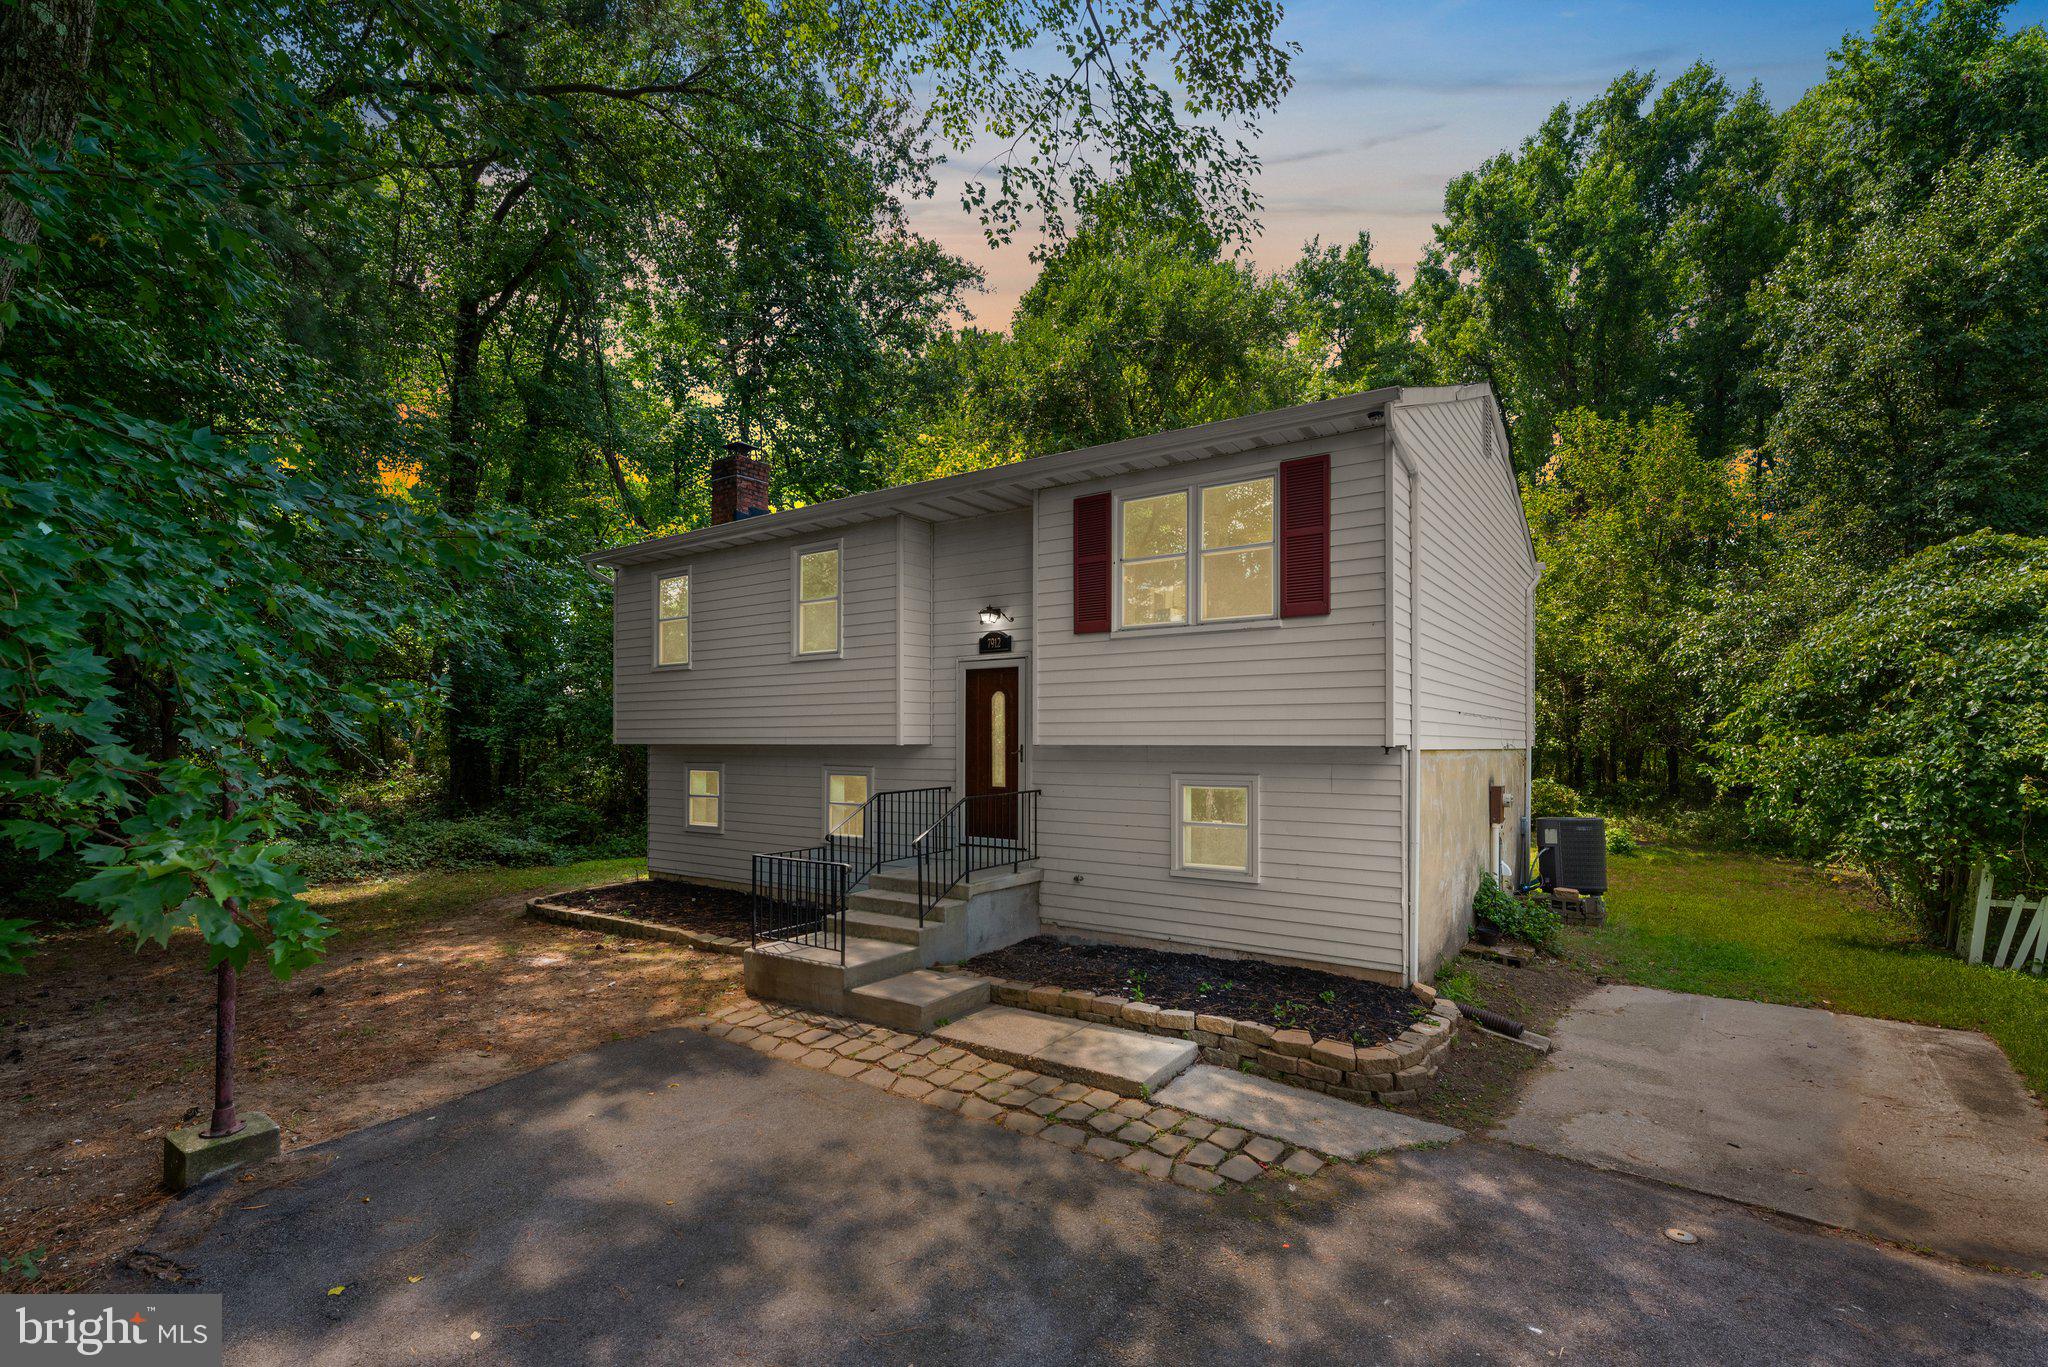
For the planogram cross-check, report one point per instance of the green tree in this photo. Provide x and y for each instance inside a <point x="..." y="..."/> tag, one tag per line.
<point x="1636" y="527"/>
<point x="1605" y="265"/>
<point x="1348" y="317"/>
<point x="1909" y="732"/>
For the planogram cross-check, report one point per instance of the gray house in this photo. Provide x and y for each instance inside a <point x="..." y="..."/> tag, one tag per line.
<point x="1261" y="687"/>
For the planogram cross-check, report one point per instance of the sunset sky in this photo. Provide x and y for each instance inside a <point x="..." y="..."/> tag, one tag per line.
<point x="1392" y="100"/>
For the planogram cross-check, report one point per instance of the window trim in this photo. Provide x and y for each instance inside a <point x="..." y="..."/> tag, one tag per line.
<point x="1192" y="556"/>
<point x="1118" y="559"/>
<point x="695" y="827"/>
<point x="1202" y="552"/>
<point x="825" y="791"/>
<point x="1180" y="868"/>
<point x="796" y="603"/>
<point x="689" y="628"/>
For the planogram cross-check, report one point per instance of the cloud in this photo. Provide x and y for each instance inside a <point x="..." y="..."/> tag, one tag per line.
<point x="1525" y="81"/>
<point x="1360" y="145"/>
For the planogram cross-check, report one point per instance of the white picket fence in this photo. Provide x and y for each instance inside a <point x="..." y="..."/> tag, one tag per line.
<point x="2024" y="941"/>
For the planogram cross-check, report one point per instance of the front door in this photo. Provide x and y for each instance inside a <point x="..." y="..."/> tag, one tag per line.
<point x="993" y="748"/>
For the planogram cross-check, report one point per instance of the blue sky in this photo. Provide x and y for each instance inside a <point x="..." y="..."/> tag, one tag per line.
<point x="1393" y="99"/>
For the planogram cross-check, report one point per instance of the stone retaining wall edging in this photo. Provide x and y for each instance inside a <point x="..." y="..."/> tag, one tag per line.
<point x="1389" y="1073"/>
<point x="607" y="923"/>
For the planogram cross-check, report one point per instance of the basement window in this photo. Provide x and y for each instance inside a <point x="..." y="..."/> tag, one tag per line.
<point x="1215" y="827"/>
<point x="846" y="793"/>
<point x="706" y="810"/>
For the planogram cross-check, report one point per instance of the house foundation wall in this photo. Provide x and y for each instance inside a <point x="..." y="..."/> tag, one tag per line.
<point x="1460" y="843"/>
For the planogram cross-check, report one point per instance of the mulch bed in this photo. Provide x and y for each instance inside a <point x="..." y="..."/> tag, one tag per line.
<point x="1326" y="1005"/>
<point x="693" y="906"/>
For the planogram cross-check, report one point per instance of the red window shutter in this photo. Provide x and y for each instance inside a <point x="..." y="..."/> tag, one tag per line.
<point x="1305" y="537"/>
<point x="1091" y="563"/>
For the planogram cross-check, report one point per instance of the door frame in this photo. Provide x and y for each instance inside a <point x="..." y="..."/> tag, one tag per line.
<point x="1021" y="663"/>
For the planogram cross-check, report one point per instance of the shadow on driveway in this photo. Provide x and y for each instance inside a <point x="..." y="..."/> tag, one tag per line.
<point x="677" y="1198"/>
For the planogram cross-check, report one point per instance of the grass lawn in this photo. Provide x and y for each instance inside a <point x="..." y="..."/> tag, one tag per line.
<point x="1738" y="925"/>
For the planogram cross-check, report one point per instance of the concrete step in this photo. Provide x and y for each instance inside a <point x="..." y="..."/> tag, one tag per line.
<point x="918" y="1000"/>
<point x="899" y="878"/>
<point x="890" y="902"/>
<point x="820" y="978"/>
<point x="1121" y="1061"/>
<point x="881" y="925"/>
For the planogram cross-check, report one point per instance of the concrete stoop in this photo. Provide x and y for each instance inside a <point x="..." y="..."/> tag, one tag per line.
<point x="1120" y="1061"/>
<point x="918" y="1001"/>
<point x="886" y="976"/>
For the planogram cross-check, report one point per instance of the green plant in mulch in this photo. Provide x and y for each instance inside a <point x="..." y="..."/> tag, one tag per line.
<point x="1520" y="918"/>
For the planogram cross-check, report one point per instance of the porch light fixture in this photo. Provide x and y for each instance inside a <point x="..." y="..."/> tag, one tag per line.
<point x="991" y="615"/>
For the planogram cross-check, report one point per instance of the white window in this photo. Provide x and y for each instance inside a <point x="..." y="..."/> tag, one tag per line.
<point x="1215" y="827"/>
<point x="672" y="619"/>
<point x="1226" y="551"/>
<point x="707" y="799"/>
<point x="1237" y="550"/>
<point x="817" y="601"/>
<point x="846" y="791"/>
<point x="1154" y="546"/>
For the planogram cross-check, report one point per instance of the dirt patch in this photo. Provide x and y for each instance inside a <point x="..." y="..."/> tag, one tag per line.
<point x="1482" y="1075"/>
<point x="431" y="990"/>
<point x="1326" y="1005"/>
<point x="692" y="906"/>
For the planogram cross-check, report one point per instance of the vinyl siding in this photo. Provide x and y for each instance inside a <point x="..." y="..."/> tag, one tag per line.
<point x="1473" y="632"/>
<point x="1316" y="681"/>
<point x="774" y="801"/>
<point x="914" y="639"/>
<point x="1329" y="843"/>
<point x="743" y="686"/>
<point x="977" y="562"/>
<point x="1400" y="633"/>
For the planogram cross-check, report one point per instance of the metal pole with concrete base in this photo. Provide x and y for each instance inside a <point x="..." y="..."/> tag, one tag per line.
<point x="225" y="1122"/>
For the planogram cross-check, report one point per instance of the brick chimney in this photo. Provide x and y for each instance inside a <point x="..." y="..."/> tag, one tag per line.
<point x="739" y="484"/>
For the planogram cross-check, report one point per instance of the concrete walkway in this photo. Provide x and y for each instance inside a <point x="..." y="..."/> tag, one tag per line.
<point x="1126" y="1062"/>
<point x="678" y="1198"/>
<point x="1905" y="1132"/>
<point x="1314" y="1121"/>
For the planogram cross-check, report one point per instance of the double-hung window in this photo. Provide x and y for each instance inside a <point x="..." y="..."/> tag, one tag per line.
<point x="817" y="601"/>
<point x="672" y="619"/>
<point x="1215" y="827"/>
<point x="1225" y="551"/>
<point x="707" y="799"/>
<point x="846" y="792"/>
<point x="1155" y="560"/>
<point x="1237" y="550"/>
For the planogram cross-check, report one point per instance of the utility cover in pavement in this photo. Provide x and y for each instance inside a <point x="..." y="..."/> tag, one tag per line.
<point x="1309" y="1119"/>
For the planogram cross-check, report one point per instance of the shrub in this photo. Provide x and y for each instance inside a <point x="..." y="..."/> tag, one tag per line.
<point x="1619" y="841"/>
<point x="1521" y="918"/>
<point x="1548" y="797"/>
<point x="412" y="846"/>
<point x="1909" y="732"/>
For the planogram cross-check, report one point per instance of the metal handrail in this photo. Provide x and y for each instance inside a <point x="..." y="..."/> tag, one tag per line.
<point x="888" y="822"/>
<point x="799" y="897"/>
<point x="950" y="850"/>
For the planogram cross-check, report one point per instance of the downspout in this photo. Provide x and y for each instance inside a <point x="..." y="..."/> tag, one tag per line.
<point x="1525" y="871"/>
<point x="1412" y="923"/>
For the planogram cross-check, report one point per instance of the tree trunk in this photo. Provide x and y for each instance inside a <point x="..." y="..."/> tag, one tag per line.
<point x="468" y="712"/>
<point x="225" y="1121"/>
<point x="43" y="51"/>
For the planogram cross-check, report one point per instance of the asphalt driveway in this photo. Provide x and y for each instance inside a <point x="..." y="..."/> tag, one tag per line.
<point x="677" y="1198"/>
<point x="1905" y="1132"/>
